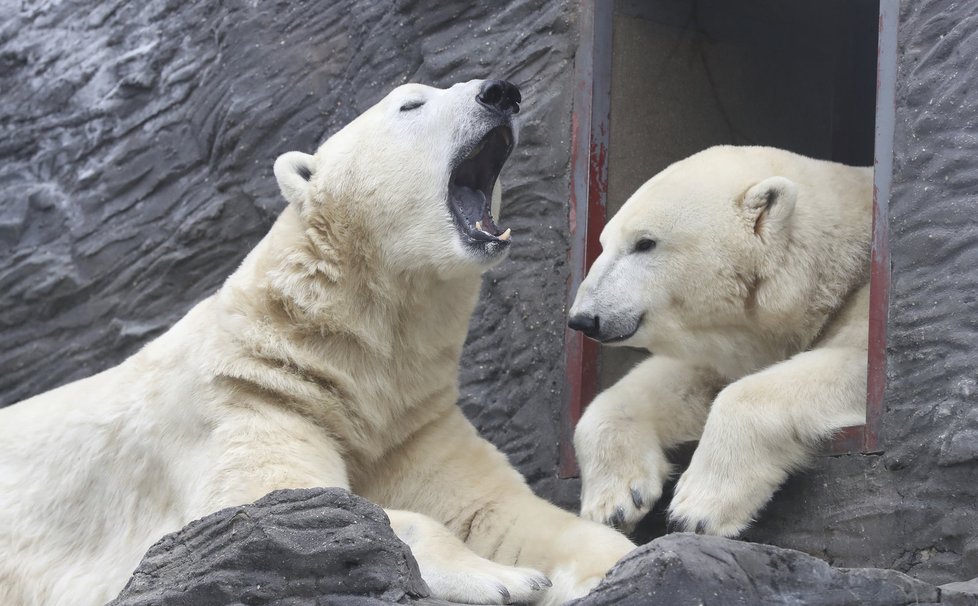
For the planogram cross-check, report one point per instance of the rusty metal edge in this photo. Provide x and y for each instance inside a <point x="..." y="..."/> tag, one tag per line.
<point x="865" y="438"/>
<point x="588" y="189"/>
<point x="879" y="295"/>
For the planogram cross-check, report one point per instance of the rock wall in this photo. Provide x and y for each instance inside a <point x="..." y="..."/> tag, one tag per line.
<point x="913" y="508"/>
<point x="136" y="151"/>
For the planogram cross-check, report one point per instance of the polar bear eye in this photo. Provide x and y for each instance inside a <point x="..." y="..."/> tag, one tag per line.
<point x="411" y="105"/>
<point x="644" y="245"/>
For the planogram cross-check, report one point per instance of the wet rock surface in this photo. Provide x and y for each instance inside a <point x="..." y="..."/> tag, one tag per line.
<point x="687" y="569"/>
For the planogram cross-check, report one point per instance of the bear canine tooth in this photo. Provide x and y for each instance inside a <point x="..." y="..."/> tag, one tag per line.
<point x="478" y="225"/>
<point x="506" y="234"/>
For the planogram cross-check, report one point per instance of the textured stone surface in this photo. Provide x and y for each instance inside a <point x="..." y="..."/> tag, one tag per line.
<point x="686" y="569"/>
<point x="136" y="151"/>
<point x="962" y="586"/>
<point x="297" y="547"/>
<point x="913" y="508"/>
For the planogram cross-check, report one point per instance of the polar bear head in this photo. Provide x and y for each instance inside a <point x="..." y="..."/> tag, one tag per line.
<point x="414" y="179"/>
<point x="729" y="256"/>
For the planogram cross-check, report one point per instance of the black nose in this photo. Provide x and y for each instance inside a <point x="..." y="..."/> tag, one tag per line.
<point x="585" y="323"/>
<point x="500" y="95"/>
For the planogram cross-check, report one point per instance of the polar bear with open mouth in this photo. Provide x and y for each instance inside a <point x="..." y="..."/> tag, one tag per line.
<point x="329" y="358"/>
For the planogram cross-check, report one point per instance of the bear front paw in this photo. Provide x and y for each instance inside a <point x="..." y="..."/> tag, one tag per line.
<point x="621" y="494"/>
<point x="709" y="504"/>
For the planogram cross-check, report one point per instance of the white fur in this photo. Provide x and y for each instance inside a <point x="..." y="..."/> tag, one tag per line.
<point x="754" y="302"/>
<point x="329" y="358"/>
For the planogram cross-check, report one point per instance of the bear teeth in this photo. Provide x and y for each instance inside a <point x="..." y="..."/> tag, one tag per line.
<point x="504" y="236"/>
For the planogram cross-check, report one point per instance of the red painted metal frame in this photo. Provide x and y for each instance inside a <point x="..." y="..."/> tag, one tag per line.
<point x="589" y="186"/>
<point x="589" y="183"/>
<point x="865" y="438"/>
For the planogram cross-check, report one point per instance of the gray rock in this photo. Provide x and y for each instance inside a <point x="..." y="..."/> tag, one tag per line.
<point x="681" y="569"/>
<point x="320" y="546"/>
<point x="967" y="587"/>
<point x="295" y="547"/>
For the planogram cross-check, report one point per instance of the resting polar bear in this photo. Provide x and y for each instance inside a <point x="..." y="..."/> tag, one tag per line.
<point x="329" y="358"/>
<point x="744" y="270"/>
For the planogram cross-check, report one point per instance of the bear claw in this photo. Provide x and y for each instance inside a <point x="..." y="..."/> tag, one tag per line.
<point x="637" y="498"/>
<point x="617" y="519"/>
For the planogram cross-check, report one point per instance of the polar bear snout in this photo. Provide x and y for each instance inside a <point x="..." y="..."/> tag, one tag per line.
<point x="608" y="330"/>
<point x="500" y="96"/>
<point x="585" y="323"/>
<point x="602" y="309"/>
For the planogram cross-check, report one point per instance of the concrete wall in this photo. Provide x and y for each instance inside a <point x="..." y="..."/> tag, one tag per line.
<point x="136" y="150"/>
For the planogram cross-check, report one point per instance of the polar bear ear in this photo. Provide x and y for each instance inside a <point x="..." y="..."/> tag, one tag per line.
<point x="293" y="170"/>
<point x="770" y="203"/>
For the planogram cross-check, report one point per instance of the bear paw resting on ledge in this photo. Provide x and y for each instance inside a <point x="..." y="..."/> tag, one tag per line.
<point x="745" y="271"/>
<point x="329" y="358"/>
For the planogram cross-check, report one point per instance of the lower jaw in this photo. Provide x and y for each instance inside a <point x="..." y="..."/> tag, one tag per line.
<point x="488" y="251"/>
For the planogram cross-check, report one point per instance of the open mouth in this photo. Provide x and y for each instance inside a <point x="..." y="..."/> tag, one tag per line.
<point x="470" y="188"/>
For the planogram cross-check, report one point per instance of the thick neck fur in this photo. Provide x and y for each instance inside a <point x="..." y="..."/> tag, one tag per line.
<point x="319" y="325"/>
<point x="799" y="284"/>
<point x="825" y="256"/>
